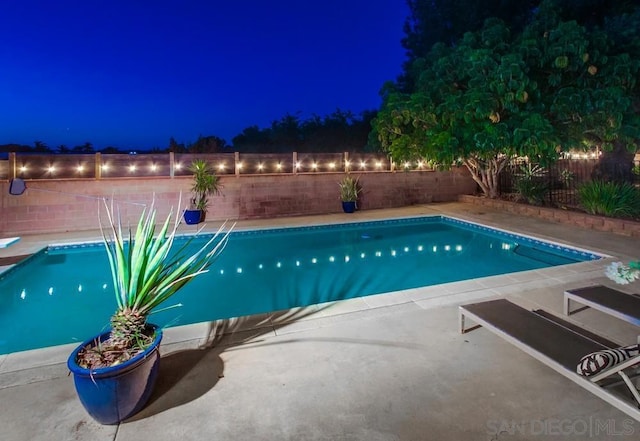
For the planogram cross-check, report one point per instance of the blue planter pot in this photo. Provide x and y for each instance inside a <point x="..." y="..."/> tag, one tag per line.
<point x="113" y="394"/>
<point x="349" y="207"/>
<point x="192" y="217"/>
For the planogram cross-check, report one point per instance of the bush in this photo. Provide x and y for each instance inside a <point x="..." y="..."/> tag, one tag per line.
<point x="531" y="185"/>
<point x="610" y="199"/>
<point x="532" y="190"/>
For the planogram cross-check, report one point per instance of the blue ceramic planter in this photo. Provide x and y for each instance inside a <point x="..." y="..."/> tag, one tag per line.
<point x="113" y="394"/>
<point x="349" y="207"/>
<point x="192" y="217"/>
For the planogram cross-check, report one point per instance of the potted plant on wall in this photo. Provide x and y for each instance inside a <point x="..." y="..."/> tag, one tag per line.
<point x="114" y="372"/>
<point x="349" y="190"/>
<point x="205" y="184"/>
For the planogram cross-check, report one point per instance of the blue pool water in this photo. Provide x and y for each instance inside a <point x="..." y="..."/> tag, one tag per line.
<point x="64" y="294"/>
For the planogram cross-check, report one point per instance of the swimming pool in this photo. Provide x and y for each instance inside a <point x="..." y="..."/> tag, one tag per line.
<point x="61" y="293"/>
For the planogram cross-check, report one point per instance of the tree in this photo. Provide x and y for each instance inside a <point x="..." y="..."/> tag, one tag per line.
<point x="446" y="21"/>
<point x="496" y="95"/>
<point x="175" y="147"/>
<point x="286" y="133"/>
<point x="87" y="147"/>
<point x="338" y="132"/>
<point x="207" y="144"/>
<point x="39" y="146"/>
<point x="252" y="139"/>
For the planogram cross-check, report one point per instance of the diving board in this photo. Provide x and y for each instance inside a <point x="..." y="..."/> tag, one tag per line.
<point x="7" y="241"/>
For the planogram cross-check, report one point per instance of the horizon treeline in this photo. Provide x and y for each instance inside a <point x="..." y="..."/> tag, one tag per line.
<point x="340" y="131"/>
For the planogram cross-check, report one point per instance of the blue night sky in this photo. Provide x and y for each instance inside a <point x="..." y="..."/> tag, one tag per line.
<point x="133" y="73"/>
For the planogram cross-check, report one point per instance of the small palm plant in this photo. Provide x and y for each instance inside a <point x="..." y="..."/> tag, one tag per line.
<point x="146" y="273"/>
<point x="205" y="184"/>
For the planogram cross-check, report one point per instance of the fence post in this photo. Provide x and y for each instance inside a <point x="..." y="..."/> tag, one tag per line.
<point x="346" y="162"/>
<point x="97" y="164"/>
<point x="13" y="168"/>
<point x="238" y="166"/>
<point x="295" y="163"/>
<point x="172" y="164"/>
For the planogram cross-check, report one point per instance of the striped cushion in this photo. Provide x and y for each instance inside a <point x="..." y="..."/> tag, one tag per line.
<point x="596" y="362"/>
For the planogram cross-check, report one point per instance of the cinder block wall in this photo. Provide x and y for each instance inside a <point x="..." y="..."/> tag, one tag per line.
<point x="72" y="205"/>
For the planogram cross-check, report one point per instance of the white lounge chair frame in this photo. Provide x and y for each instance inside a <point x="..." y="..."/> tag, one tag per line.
<point x="604" y="299"/>
<point x="588" y="383"/>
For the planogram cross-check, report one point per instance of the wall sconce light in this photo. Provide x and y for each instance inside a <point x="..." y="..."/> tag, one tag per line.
<point x="178" y="166"/>
<point x="332" y="165"/>
<point x="23" y="168"/>
<point x="378" y="164"/>
<point x="80" y="168"/>
<point x="51" y="169"/>
<point x="221" y="166"/>
<point x="314" y="165"/>
<point x="154" y="167"/>
<point x="132" y="168"/>
<point x="260" y="166"/>
<point x="279" y="166"/>
<point x="363" y="164"/>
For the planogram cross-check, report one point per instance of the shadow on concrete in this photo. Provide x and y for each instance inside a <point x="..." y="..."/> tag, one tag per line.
<point x="185" y="375"/>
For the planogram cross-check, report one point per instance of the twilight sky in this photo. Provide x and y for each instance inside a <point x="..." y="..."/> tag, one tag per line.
<point x="133" y="73"/>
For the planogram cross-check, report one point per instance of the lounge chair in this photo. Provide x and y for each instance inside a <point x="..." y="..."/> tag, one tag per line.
<point x="558" y="344"/>
<point x="608" y="300"/>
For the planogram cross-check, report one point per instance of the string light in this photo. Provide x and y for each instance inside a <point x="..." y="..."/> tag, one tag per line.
<point x="365" y="164"/>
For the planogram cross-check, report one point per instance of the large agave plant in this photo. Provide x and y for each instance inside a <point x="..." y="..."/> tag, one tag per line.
<point x="146" y="272"/>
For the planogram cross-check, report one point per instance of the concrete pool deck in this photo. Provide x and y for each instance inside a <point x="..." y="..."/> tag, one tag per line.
<point x="386" y="367"/>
